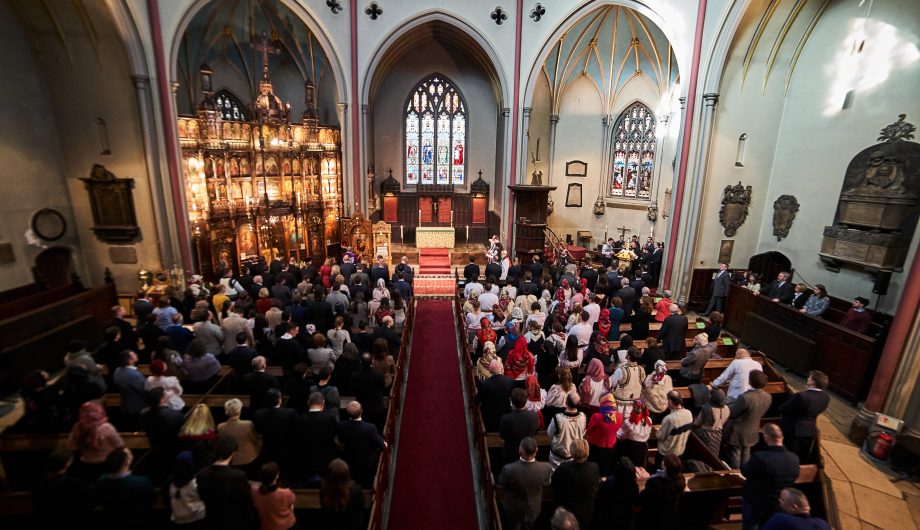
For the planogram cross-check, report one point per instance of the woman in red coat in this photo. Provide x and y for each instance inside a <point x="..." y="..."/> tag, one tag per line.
<point x="602" y="433"/>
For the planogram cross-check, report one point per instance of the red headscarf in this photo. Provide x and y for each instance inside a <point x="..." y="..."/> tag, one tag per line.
<point x="601" y="345"/>
<point x="639" y="413"/>
<point x="92" y="416"/>
<point x="533" y="389"/>
<point x="596" y="374"/>
<point x="604" y="324"/>
<point x="520" y="360"/>
<point x="486" y="334"/>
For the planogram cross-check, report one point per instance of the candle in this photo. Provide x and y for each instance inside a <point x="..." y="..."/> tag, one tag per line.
<point x="451" y="217"/>
<point x="467" y="233"/>
<point x="400" y="233"/>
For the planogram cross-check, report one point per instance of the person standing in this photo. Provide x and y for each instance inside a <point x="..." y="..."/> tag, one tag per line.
<point x="673" y="333"/>
<point x="766" y="474"/>
<point x="517" y="425"/>
<point x="800" y="414"/>
<point x="737" y="374"/>
<point x="274" y="504"/>
<point x="794" y="514"/>
<point x="857" y="318"/>
<point x="130" y="383"/>
<point x="126" y="499"/>
<point x="225" y="491"/>
<point x="576" y="482"/>
<point x="745" y="413"/>
<point x="524" y="481"/>
<point x="565" y="427"/>
<point x="672" y="440"/>
<point x="720" y="283"/>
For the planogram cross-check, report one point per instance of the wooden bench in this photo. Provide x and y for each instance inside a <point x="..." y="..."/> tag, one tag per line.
<point x="725" y="346"/>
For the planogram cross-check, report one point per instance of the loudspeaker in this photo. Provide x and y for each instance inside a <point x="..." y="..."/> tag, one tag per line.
<point x="882" y="279"/>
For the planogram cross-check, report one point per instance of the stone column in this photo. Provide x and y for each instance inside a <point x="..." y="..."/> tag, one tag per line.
<point x="551" y="148"/>
<point x="525" y="149"/>
<point x="347" y="193"/>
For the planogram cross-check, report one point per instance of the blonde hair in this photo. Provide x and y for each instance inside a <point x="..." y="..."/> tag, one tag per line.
<point x="199" y="421"/>
<point x="233" y="407"/>
<point x="702" y="339"/>
<point x="579" y="449"/>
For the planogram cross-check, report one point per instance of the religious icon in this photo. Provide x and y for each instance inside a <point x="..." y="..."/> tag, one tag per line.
<point x="271" y="166"/>
<point x="410" y="176"/>
<point x="244" y="166"/>
<point x="458" y="154"/>
<point x="442" y="176"/>
<point x="235" y="131"/>
<point x="192" y="129"/>
<point x="410" y="150"/>
<point x="183" y="130"/>
<point x="247" y="244"/>
<point x="286" y="166"/>
<point x="443" y="154"/>
<point x="234" y="167"/>
<point x="427" y="153"/>
<point x="259" y="170"/>
<point x="426" y="177"/>
<point x="220" y="168"/>
<point x="458" y="175"/>
<point x="227" y="135"/>
<point x="295" y="166"/>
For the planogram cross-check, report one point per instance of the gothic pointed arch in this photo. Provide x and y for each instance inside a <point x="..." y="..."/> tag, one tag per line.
<point x="633" y="144"/>
<point x="435" y="125"/>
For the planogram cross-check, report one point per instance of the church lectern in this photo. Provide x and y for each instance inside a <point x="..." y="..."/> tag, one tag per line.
<point x="530" y="213"/>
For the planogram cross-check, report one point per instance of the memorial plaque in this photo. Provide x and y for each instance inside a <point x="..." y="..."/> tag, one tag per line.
<point x="123" y="255"/>
<point x="114" y="220"/>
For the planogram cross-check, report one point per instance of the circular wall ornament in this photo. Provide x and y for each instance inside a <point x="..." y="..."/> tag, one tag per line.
<point x="49" y="224"/>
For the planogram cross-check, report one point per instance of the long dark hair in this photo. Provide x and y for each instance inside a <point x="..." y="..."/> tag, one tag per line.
<point x="268" y="476"/>
<point x="571" y="348"/>
<point x="336" y="486"/>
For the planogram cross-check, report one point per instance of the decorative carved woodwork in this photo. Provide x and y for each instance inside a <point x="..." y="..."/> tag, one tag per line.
<point x="531" y="212"/>
<point x="114" y="220"/>
<point x="358" y="235"/>
<point x="735" y="203"/>
<point x="784" y="209"/>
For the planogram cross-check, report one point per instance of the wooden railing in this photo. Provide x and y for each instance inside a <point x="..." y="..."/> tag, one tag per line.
<point x="382" y="479"/>
<point x="481" y="446"/>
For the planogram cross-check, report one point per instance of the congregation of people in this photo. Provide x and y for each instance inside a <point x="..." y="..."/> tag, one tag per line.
<point x="291" y="341"/>
<point x="549" y="355"/>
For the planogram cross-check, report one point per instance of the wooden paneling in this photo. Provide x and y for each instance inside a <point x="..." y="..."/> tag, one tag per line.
<point x="424" y="209"/>
<point x="479" y="210"/>
<point x="848" y="358"/>
<point x="390" y="209"/>
<point x="445" y="207"/>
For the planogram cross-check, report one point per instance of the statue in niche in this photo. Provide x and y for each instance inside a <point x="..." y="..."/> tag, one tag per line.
<point x="736" y="200"/>
<point x="784" y="210"/>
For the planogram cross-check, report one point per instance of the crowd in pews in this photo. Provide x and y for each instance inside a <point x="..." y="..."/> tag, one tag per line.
<point x="618" y="411"/>
<point x="233" y="396"/>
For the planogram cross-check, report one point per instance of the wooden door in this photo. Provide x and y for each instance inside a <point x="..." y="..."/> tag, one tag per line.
<point x="425" y="210"/>
<point x="444" y="210"/>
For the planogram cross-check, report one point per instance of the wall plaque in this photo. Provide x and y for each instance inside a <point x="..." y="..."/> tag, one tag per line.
<point x="123" y="255"/>
<point x="784" y="210"/>
<point x="114" y="220"/>
<point x="576" y="168"/>
<point x="573" y="196"/>
<point x="735" y="203"/>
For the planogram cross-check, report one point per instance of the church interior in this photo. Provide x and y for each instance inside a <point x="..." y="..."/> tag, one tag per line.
<point x="717" y="152"/>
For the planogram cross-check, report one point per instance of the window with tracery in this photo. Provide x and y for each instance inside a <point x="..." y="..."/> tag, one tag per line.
<point x="633" y="153"/>
<point x="435" y="129"/>
<point x="231" y="108"/>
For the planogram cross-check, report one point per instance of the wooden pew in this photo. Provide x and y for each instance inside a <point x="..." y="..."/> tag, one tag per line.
<point x="218" y="400"/>
<point x="693" y="328"/>
<point x="715" y="367"/>
<point x="725" y="346"/>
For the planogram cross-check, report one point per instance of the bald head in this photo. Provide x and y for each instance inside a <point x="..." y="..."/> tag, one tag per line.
<point x="674" y="309"/>
<point x="354" y="410"/>
<point x="794" y="502"/>
<point x="772" y="434"/>
<point x="742" y="353"/>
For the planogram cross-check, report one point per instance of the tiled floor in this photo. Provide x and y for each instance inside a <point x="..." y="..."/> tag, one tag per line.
<point x="864" y="495"/>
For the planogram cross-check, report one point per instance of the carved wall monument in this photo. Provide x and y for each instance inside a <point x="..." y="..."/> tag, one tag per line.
<point x="735" y="203"/>
<point x="784" y="210"/>
<point x="114" y="220"/>
<point x="878" y="207"/>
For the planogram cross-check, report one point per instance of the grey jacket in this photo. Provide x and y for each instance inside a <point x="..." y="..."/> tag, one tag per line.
<point x="524" y="482"/>
<point x="691" y="366"/>
<point x="745" y="415"/>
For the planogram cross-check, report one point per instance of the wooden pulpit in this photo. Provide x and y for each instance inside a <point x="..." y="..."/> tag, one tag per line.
<point x="530" y="212"/>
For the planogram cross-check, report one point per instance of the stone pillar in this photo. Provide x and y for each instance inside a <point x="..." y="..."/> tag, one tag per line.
<point x="605" y="155"/>
<point x="347" y="193"/>
<point x="525" y="149"/>
<point x="686" y="249"/>
<point x="551" y="148"/>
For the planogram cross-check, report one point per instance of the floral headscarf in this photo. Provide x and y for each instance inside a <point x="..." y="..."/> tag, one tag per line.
<point x="533" y="389"/>
<point x="639" y="414"/>
<point x="601" y="345"/>
<point x="661" y="369"/>
<point x="603" y="323"/>
<point x="488" y="355"/>
<point x="596" y="374"/>
<point x="511" y="331"/>
<point x="520" y="360"/>
<point x="608" y="407"/>
<point x="485" y="334"/>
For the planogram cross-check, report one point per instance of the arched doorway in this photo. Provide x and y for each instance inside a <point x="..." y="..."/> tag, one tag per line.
<point x="53" y="267"/>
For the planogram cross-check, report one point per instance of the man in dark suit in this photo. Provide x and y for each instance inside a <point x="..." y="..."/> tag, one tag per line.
<point x="575" y="483"/>
<point x="528" y="286"/>
<point x="745" y="413"/>
<point x="517" y="425"/>
<point x="258" y="383"/>
<point x="628" y="295"/>
<point x="347" y="268"/>
<point x="654" y="264"/>
<point x="386" y="332"/>
<point x="314" y="437"/>
<point x="471" y="271"/>
<point x="406" y="270"/>
<point x="524" y="481"/>
<point x="800" y="414"/>
<point x="801" y="295"/>
<point x="672" y="334"/>
<point x="370" y="386"/>
<point x="780" y="290"/>
<point x="319" y="311"/>
<point x="493" y="396"/>
<point x="589" y="274"/>
<point x="142" y="307"/>
<point x="288" y="350"/>
<point x="161" y="424"/>
<point x="380" y="271"/>
<point x="493" y="271"/>
<point x="720" y="284"/>
<point x="130" y="383"/>
<point x="225" y="491"/>
<point x="766" y="474"/>
<point x="126" y="500"/>
<point x="362" y="445"/>
<point x="536" y="268"/>
<point x="257" y="285"/>
<point x="276" y="425"/>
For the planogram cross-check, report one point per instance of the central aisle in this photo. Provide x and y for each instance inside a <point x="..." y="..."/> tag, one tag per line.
<point x="433" y="483"/>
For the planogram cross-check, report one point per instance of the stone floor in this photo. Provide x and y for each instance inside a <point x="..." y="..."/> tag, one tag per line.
<point x="864" y="495"/>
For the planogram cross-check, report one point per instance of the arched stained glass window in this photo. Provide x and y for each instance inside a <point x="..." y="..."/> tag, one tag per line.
<point x="231" y="108"/>
<point x="633" y="153"/>
<point x="435" y="133"/>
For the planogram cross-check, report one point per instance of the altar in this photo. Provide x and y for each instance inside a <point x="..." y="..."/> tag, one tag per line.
<point x="434" y="237"/>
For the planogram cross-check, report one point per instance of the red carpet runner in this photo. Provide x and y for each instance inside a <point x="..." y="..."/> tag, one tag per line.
<point x="433" y="483"/>
<point x="434" y="261"/>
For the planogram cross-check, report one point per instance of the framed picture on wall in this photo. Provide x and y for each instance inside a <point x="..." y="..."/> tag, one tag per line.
<point x="573" y="196"/>
<point x="576" y="168"/>
<point x="725" y="250"/>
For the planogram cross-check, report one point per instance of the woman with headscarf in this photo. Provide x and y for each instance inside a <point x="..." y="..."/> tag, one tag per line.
<point x="536" y="398"/>
<point x="634" y="434"/>
<point x="186" y="506"/>
<point x="505" y="301"/>
<point x="545" y="301"/>
<point x="506" y="342"/>
<point x="380" y="292"/>
<point x="484" y="335"/>
<point x="508" y="291"/>
<point x="602" y="433"/>
<point x="711" y="420"/>
<point x="559" y="307"/>
<point x="520" y="362"/>
<point x="603" y="324"/>
<point x="170" y="384"/>
<point x="383" y="310"/>
<point x="655" y="390"/>
<point x="482" y="365"/>
<point x="94" y="437"/>
<point x="599" y="349"/>
<point x="595" y="384"/>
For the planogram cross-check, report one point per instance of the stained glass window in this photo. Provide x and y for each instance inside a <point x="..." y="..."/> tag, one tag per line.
<point x="231" y="108"/>
<point x="435" y="133"/>
<point x="633" y="153"/>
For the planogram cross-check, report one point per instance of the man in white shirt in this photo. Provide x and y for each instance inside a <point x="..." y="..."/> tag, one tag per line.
<point x="487" y="299"/>
<point x="474" y="284"/>
<point x="737" y="374"/>
<point x="582" y="331"/>
<point x="594" y="310"/>
<point x="669" y="442"/>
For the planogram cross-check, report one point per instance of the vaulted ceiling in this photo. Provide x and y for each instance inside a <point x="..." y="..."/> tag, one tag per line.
<point x="610" y="46"/>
